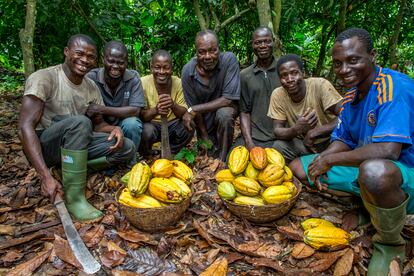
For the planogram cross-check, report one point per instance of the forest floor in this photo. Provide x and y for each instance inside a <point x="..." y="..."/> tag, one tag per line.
<point x="32" y="240"/>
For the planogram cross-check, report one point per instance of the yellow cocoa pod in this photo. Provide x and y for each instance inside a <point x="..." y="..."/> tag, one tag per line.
<point x="185" y="190"/>
<point x="238" y="159"/>
<point x="288" y="174"/>
<point x="251" y="171"/>
<point x="326" y="237"/>
<point x="315" y="222"/>
<point x="246" y="186"/>
<point x="290" y="186"/>
<point x="141" y="201"/>
<point x="258" y="158"/>
<point x="275" y="157"/>
<point x="247" y="200"/>
<point x="226" y="190"/>
<point x="182" y="171"/>
<point x="139" y="178"/>
<point x="165" y="190"/>
<point x="271" y="175"/>
<point x="224" y="175"/>
<point x="162" y="168"/>
<point x="276" y="194"/>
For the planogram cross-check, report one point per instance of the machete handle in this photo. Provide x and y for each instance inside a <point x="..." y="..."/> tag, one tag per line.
<point x="58" y="198"/>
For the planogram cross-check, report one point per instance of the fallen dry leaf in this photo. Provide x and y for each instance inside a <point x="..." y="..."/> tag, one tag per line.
<point x="31" y="265"/>
<point x="326" y="260"/>
<point x="291" y="233"/>
<point x="394" y="269"/>
<point x="112" y="258"/>
<point x="94" y="235"/>
<point x="350" y="221"/>
<point x="344" y="265"/>
<point x="266" y="262"/>
<point x="6" y="230"/>
<point x="116" y="272"/>
<point x="12" y="256"/>
<point x="64" y="252"/>
<point x="218" y="268"/>
<point x="301" y="212"/>
<point x="134" y="236"/>
<point x="302" y="250"/>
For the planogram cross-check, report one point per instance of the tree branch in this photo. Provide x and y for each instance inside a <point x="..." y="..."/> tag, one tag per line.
<point x="199" y="14"/>
<point x="230" y="20"/>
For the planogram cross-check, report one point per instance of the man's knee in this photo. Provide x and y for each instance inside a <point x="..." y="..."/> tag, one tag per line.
<point x="81" y="124"/>
<point x="297" y="169"/>
<point x="132" y="124"/>
<point x="148" y="130"/>
<point x="379" y="176"/>
<point x="225" y="115"/>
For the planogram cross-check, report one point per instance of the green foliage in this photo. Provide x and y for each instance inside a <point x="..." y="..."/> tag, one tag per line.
<point x="10" y="82"/>
<point x="190" y="154"/>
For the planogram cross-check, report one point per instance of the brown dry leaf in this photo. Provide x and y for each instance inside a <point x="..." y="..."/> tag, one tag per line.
<point x="350" y="221"/>
<point x="291" y="233"/>
<point x="18" y="200"/>
<point x="180" y="228"/>
<point x="94" y="235"/>
<point x="26" y="218"/>
<point x="302" y="250"/>
<point x="114" y="247"/>
<point x="108" y="219"/>
<point x="12" y="256"/>
<point x="134" y="236"/>
<point x="218" y="268"/>
<point x="31" y="265"/>
<point x="262" y="249"/>
<point x="233" y="257"/>
<point x="6" y="230"/>
<point x="216" y="163"/>
<point x="64" y="252"/>
<point x="394" y="269"/>
<point x="344" y="265"/>
<point x="112" y="258"/>
<point x="212" y="254"/>
<point x="116" y="272"/>
<point x="301" y="212"/>
<point x="266" y="262"/>
<point x="326" y="260"/>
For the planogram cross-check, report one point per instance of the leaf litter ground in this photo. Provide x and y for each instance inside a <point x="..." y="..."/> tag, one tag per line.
<point x="208" y="240"/>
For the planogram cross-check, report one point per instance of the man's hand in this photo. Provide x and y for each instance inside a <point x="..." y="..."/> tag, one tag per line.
<point x="307" y="121"/>
<point x="165" y="103"/>
<point x="94" y="109"/>
<point x="119" y="136"/>
<point x="50" y="187"/>
<point x="317" y="169"/>
<point x="187" y="119"/>
<point x="310" y="137"/>
<point x="250" y="145"/>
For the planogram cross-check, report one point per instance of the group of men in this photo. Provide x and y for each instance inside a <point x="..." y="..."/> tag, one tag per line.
<point x="77" y="117"/>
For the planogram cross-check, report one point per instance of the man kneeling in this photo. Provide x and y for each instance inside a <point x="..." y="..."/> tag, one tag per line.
<point x="55" y="129"/>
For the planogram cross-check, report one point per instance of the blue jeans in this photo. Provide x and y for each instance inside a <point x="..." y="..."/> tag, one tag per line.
<point x="132" y="129"/>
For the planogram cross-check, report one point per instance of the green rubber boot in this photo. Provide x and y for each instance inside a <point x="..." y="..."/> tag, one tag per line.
<point x="99" y="163"/>
<point x="74" y="184"/>
<point x="388" y="242"/>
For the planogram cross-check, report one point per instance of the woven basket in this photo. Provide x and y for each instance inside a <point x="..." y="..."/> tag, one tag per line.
<point x="154" y="219"/>
<point x="266" y="213"/>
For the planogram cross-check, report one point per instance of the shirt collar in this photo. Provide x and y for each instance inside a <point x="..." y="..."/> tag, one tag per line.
<point x="101" y="76"/>
<point x="272" y="66"/>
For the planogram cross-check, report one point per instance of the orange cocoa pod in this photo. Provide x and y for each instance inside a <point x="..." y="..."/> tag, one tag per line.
<point x="258" y="158"/>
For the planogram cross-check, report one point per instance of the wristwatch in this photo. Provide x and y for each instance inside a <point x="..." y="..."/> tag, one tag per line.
<point x="191" y="111"/>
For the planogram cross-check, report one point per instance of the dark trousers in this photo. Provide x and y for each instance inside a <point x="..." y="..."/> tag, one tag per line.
<point x="178" y="135"/>
<point x="76" y="133"/>
<point x="221" y="134"/>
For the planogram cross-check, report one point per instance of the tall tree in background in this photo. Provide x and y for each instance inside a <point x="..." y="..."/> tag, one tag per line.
<point x="394" y="39"/>
<point x="26" y="37"/>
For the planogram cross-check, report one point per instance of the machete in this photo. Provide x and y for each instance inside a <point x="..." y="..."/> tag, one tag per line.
<point x="82" y="254"/>
<point x="165" y="140"/>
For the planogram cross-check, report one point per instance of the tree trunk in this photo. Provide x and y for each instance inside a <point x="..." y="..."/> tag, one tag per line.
<point x="342" y="16"/>
<point x="394" y="39"/>
<point x="199" y="14"/>
<point x="26" y="37"/>
<point x="277" y="6"/>
<point x="263" y="9"/>
<point x="322" y="52"/>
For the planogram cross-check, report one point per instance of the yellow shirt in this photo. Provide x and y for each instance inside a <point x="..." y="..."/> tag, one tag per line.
<point x="320" y="96"/>
<point x="151" y="95"/>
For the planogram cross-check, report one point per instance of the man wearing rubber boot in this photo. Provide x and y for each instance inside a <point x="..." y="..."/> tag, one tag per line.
<point x="372" y="153"/>
<point x="55" y="128"/>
